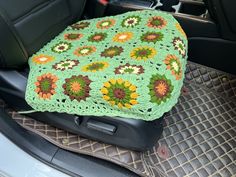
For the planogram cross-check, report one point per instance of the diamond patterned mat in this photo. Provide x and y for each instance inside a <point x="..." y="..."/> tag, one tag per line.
<point x="199" y="137"/>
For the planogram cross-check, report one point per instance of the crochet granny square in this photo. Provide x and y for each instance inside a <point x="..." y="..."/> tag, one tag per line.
<point x="130" y="65"/>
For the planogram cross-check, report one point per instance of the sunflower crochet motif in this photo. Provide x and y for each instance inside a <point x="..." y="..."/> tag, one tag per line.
<point x="130" y="65"/>
<point x="120" y="93"/>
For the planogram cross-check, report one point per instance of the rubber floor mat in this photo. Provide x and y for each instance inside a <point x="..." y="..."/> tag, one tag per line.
<point x="199" y="137"/>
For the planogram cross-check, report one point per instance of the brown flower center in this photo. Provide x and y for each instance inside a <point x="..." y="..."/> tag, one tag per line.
<point x="94" y="66"/>
<point x="61" y="47"/>
<point x="119" y="93"/>
<point x="142" y="52"/>
<point x="130" y="21"/>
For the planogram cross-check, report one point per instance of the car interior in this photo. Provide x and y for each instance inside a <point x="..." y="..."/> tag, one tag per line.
<point x="195" y="138"/>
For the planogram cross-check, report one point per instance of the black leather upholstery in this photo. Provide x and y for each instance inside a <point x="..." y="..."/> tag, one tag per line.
<point x="34" y="23"/>
<point x="12" y="52"/>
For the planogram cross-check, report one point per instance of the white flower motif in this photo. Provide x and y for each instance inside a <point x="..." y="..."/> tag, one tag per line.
<point x="84" y="51"/>
<point x="65" y="65"/>
<point x="123" y="36"/>
<point x="105" y="23"/>
<point x="129" y="69"/>
<point x="61" y="47"/>
<point x="43" y="59"/>
<point x="175" y="66"/>
<point x="131" y="21"/>
<point x="180" y="46"/>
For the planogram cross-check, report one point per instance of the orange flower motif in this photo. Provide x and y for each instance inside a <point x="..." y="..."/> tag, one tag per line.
<point x="42" y="59"/>
<point x="160" y="89"/>
<point x="105" y="24"/>
<point x="122" y="37"/>
<point x="73" y="36"/>
<point x="97" y="37"/>
<point x="85" y="50"/>
<point x="173" y="64"/>
<point x="77" y="87"/>
<point x="46" y="85"/>
<point x="157" y="22"/>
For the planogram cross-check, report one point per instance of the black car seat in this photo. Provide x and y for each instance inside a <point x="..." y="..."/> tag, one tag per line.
<point x="26" y="26"/>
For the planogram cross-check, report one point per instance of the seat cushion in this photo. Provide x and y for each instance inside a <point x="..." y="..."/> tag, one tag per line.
<point x="130" y="65"/>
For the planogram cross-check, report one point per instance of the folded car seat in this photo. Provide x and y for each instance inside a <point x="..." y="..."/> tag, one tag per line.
<point x="110" y="79"/>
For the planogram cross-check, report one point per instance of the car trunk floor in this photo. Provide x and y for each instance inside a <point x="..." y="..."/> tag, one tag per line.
<point x="199" y="137"/>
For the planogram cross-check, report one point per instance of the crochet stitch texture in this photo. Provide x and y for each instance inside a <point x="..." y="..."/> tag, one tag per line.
<point x="130" y="65"/>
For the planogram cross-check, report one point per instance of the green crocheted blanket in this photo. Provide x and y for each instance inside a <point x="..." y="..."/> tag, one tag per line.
<point x="130" y="65"/>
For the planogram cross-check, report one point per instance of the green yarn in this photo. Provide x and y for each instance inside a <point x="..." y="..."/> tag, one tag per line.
<point x="130" y="65"/>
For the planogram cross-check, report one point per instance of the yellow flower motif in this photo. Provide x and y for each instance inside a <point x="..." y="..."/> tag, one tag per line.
<point x="180" y="29"/>
<point x="132" y="88"/>
<point x="42" y="59"/>
<point x="157" y="22"/>
<point x="120" y="93"/>
<point x="104" y="90"/>
<point x="119" y="81"/>
<point x="106" y="97"/>
<point x="122" y="37"/>
<point x="95" y="66"/>
<point x="143" y="53"/>
<point x="127" y="84"/>
<point x="113" y="81"/>
<point x="134" y="95"/>
<point x="128" y="105"/>
<point x="133" y="102"/>
<point x="107" y="84"/>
